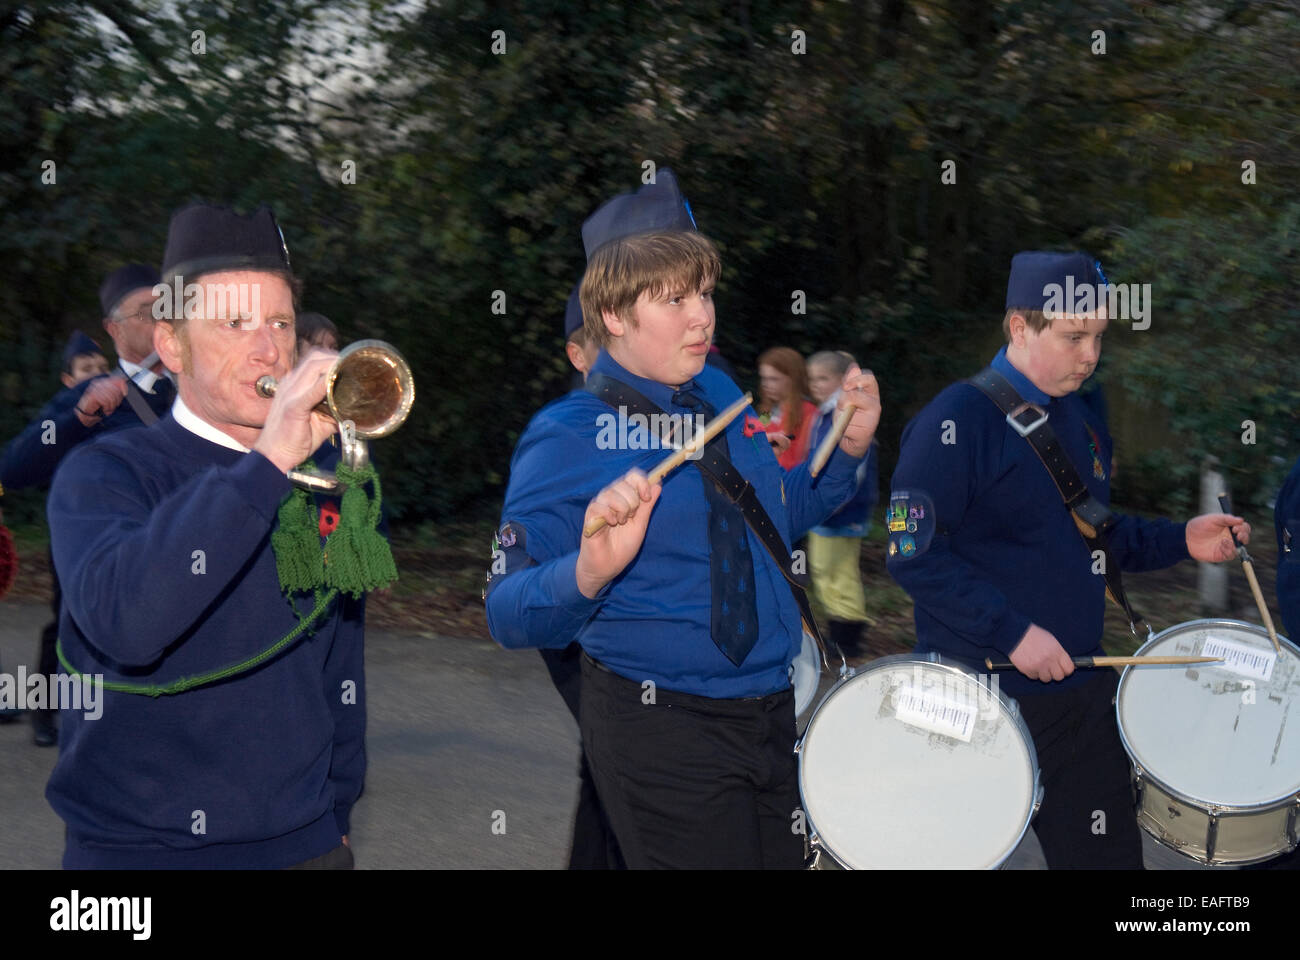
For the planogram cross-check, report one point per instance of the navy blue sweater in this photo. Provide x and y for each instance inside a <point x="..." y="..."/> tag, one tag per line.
<point x="273" y="759"/>
<point x="1005" y="552"/>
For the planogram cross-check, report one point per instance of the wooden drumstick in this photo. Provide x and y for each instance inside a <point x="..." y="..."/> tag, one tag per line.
<point x="1088" y="662"/>
<point x="678" y="457"/>
<point x="831" y="440"/>
<point x="1249" y="566"/>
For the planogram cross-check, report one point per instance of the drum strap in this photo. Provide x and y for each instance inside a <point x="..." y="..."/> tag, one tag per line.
<point x="135" y="397"/>
<point x="1093" y="519"/>
<point x="724" y="475"/>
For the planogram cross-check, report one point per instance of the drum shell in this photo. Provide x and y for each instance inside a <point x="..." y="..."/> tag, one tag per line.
<point x="1203" y="832"/>
<point x="1209" y="832"/>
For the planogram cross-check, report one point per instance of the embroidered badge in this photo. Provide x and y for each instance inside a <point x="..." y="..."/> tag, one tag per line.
<point x="896" y="516"/>
<point x="910" y="518"/>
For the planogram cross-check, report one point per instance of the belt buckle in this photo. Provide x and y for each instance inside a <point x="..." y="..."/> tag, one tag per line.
<point x="1022" y="430"/>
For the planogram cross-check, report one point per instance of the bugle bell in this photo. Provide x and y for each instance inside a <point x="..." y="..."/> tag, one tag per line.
<point x="369" y="390"/>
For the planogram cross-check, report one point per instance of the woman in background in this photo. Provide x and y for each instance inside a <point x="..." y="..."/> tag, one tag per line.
<point x="783" y="405"/>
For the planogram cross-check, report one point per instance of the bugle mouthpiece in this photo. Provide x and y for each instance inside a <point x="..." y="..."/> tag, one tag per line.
<point x="265" y="386"/>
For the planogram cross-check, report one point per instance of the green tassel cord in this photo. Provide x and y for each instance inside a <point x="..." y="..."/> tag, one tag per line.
<point x="356" y="558"/>
<point x="296" y="543"/>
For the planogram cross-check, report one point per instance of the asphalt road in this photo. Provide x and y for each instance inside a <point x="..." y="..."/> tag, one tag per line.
<point x="458" y="730"/>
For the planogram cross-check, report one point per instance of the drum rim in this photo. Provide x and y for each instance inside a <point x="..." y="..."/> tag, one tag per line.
<point x="1221" y="809"/>
<point x="1010" y="707"/>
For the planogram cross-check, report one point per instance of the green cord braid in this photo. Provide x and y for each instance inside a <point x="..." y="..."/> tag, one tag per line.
<point x="189" y="683"/>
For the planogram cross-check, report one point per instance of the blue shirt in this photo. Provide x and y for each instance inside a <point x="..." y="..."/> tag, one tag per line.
<point x="652" y="622"/>
<point x="1005" y="552"/>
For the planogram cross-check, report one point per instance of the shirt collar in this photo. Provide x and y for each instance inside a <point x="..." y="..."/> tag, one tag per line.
<point x="188" y="419"/>
<point x="144" y="378"/>
<point x="654" y="391"/>
<point x="1024" y="386"/>
<point x="829" y="405"/>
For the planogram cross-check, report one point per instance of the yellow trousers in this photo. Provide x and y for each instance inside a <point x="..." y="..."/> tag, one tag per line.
<point x="836" y="576"/>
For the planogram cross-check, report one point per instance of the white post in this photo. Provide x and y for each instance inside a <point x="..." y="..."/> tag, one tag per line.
<point x="1212" y="578"/>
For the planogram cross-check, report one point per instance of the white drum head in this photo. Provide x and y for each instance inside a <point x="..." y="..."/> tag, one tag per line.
<point x="914" y="764"/>
<point x="1216" y="733"/>
<point x="806" y="675"/>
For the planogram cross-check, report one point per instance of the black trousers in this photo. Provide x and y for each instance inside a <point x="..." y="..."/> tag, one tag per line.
<point x="1087" y="819"/>
<point x="594" y="846"/>
<point x="691" y="781"/>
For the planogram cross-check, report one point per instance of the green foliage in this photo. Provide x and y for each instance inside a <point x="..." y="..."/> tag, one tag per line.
<point x="817" y="172"/>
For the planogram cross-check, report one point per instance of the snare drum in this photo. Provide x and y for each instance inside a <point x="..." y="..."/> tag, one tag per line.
<point x="916" y="763"/>
<point x="1215" y="750"/>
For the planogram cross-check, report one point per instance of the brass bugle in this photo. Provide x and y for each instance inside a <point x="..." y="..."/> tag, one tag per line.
<point x="369" y="384"/>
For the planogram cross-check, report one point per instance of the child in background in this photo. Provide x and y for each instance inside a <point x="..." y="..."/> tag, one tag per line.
<point x="82" y="360"/>
<point x="315" y="330"/>
<point x="578" y="347"/>
<point x="788" y="416"/>
<point x="834" y="546"/>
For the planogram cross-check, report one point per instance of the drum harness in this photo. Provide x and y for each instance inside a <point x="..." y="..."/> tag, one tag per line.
<point x="733" y="485"/>
<point x="1093" y="519"/>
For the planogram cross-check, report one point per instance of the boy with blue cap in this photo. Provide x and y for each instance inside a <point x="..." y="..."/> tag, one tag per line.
<point x="687" y="623"/>
<point x="1000" y="565"/>
<point x="82" y="360"/>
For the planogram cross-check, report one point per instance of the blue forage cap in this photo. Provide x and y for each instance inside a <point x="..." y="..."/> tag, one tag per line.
<point x="78" y="345"/>
<point x="204" y="239"/>
<point x="1034" y="271"/>
<point x="125" y="280"/>
<point x="657" y="207"/>
<point x="573" y="313"/>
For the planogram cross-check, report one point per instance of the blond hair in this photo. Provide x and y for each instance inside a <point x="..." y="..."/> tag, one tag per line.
<point x="658" y="264"/>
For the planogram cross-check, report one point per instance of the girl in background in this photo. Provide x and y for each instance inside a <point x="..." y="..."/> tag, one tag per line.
<point x="783" y="405"/>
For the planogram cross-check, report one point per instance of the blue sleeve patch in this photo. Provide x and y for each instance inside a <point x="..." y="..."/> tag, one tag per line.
<point x="910" y="522"/>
